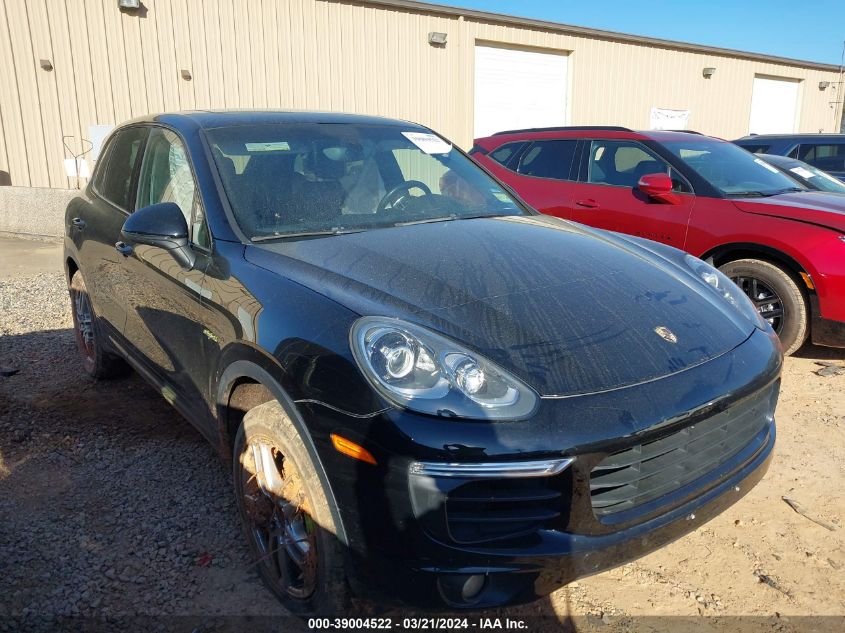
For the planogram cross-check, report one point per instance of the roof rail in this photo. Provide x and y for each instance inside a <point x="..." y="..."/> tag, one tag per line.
<point x="687" y="132"/>
<point x="614" y="128"/>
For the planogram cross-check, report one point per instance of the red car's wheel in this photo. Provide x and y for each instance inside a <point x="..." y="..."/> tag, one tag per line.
<point x="777" y="296"/>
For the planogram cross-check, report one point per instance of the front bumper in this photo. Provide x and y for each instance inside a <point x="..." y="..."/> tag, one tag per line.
<point x="406" y="535"/>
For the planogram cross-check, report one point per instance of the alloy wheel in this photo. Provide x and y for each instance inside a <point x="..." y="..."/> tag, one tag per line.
<point x="84" y="320"/>
<point x="765" y="299"/>
<point x="280" y="519"/>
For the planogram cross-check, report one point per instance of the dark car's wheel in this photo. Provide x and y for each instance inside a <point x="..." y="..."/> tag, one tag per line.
<point x="96" y="360"/>
<point x="285" y="513"/>
<point x="778" y="298"/>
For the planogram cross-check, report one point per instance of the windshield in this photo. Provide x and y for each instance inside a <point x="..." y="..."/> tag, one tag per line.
<point x="813" y="176"/>
<point x="732" y="170"/>
<point x="326" y="178"/>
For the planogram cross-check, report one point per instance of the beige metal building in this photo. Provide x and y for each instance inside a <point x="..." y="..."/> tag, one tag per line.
<point x="69" y="66"/>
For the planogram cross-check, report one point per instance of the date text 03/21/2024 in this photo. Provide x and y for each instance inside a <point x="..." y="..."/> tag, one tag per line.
<point x="424" y="623"/>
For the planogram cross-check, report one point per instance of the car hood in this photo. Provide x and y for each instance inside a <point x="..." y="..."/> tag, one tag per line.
<point x="816" y="207"/>
<point x="568" y="309"/>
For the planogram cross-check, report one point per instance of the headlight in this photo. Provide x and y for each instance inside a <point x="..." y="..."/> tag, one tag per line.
<point x="421" y="370"/>
<point x="727" y="290"/>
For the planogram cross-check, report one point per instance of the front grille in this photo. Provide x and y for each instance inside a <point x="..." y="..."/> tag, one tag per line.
<point x="480" y="511"/>
<point x="645" y="472"/>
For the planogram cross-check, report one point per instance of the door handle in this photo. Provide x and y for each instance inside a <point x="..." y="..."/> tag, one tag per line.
<point x="589" y="203"/>
<point x="123" y="248"/>
<point x="78" y="223"/>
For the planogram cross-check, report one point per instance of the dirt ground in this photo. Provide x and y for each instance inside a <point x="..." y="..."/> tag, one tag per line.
<point x="112" y="504"/>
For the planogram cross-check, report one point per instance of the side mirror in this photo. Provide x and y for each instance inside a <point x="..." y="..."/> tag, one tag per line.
<point x="658" y="187"/>
<point x="161" y="225"/>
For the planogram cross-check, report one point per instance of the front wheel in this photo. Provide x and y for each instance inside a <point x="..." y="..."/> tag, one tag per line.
<point x="777" y="296"/>
<point x="286" y="516"/>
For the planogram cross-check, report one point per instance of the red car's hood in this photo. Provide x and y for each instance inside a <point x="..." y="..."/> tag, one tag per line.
<point x="816" y="207"/>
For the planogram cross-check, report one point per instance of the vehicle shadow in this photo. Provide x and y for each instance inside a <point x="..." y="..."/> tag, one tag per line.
<point x="64" y="439"/>
<point x="817" y="352"/>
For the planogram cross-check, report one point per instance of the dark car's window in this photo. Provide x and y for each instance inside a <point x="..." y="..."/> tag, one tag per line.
<point x="166" y="176"/>
<point x="316" y="177"/>
<point x="506" y="154"/>
<point x="116" y="182"/>
<point x="623" y="163"/>
<point x="755" y="148"/>
<point x="827" y="157"/>
<point x="808" y="175"/>
<point x="730" y="168"/>
<point x="548" y="159"/>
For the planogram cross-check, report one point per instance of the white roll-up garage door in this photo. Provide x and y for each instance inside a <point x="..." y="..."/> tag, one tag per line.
<point x="517" y="89"/>
<point x="774" y="106"/>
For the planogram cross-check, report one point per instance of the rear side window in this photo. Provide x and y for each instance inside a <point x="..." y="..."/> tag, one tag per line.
<point x="115" y="183"/>
<point x="548" y="159"/>
<point x="506" y="154"/>
<point x="827" y="157"/>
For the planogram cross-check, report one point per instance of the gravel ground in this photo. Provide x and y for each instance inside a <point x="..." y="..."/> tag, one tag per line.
<point x="112" y="505"/>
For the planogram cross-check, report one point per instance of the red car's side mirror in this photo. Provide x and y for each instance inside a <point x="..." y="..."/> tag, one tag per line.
<point x="658" y="187"/>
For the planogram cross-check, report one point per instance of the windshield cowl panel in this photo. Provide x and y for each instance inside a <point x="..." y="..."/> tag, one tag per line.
<point x="303" y="180"/>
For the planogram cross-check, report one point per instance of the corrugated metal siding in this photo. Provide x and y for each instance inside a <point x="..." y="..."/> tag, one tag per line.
<point x="110" y="66"/>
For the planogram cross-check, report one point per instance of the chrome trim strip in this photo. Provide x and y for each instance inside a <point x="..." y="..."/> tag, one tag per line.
<point x="492" y="470"/>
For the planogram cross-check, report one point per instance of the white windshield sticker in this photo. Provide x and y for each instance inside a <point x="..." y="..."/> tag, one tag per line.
<point x="429" y="143"/>
<point x="804" y="173"/>
<point x="273" y="146"/>
<point x="763" y="163"/>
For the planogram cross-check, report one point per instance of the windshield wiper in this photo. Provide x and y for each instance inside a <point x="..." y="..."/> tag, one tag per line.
<point x="750" y="194"/>
<point x="283" y="236"/>
<point x="448" y="218"/>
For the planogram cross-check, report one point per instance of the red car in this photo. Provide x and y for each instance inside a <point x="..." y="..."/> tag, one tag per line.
<point x="782" y="244"/>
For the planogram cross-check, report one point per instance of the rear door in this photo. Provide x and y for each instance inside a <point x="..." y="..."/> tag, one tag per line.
<point x="96" y="224"/>
<point x="540" y="171"/>
<point x="165" y="318"/>
<point x="606" y="194"/>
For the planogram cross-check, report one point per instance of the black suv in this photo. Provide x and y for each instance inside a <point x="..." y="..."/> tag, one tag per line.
<point x="421" y="383"/>
<point x="823" y="151"/>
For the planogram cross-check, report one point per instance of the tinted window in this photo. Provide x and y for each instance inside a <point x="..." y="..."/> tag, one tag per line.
<point x="623" y="163"/>
<point x="116" y="182"/>
<point x="729" y="168"/>
<point x="755" y="149"/>
<point x="309" y="177"/>
<point x="548" y="159"/>
<point x="827" y="157"/>
<point x="166" y="176"/>
<point x="506" y="153"/>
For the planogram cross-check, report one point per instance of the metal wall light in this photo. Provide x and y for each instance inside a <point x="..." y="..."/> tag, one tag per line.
<point x="185" y="74"/>
<point x="437" y="39"/>
<point x="129" y="5"/>
<point x="46" y="64"/>
<point x="708" y="72"/>
<point x="823" y="85"/>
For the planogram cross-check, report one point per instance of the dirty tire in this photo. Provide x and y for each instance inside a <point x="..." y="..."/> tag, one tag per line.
<point x="96" y="360"/>
<point x="795" y="327"/>
<point x="269" y="425"/>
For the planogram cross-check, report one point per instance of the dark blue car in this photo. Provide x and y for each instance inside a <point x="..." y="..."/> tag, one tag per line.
<point x="823" y="151"/>
<point x="423" y="386"/>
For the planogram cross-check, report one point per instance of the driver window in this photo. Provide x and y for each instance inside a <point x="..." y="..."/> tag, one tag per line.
<point x="623" y="163"/>
<point x="166" y="177"/>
